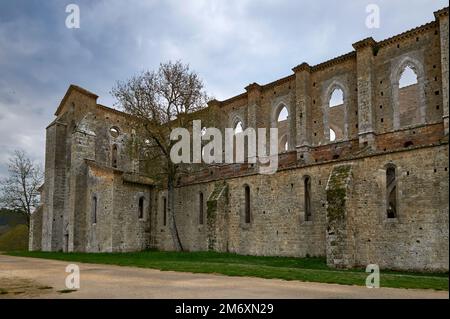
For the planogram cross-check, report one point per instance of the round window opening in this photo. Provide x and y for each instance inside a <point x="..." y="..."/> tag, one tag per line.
<point x="114" y="131"/>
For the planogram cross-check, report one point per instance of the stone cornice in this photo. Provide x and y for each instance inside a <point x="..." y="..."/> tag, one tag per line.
<point x="367" y="42"/>
<point x="336" y="60"/>
<point x="213" y="103"/>
<point x="407" y="34"/>
<point x="441" y="13"/>
<point x="233" y="99"/>
<point x="253" y="86"/>
<point x="111" y="110"/>
<point x="302" y="67"/>
<point x="137" y="179"/>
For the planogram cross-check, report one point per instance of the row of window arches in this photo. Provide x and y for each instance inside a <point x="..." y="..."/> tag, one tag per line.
<point x="336" y="99"/>
<point x="408" y="76"/>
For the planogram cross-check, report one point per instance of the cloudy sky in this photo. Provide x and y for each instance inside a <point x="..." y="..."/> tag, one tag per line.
<point x="229" y="43"/>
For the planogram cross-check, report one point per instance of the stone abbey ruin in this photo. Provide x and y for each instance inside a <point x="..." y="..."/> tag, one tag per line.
<point x="362" y="177"/>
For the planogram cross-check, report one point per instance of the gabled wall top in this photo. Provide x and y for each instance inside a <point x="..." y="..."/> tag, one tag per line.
<point x="72" y="88"/>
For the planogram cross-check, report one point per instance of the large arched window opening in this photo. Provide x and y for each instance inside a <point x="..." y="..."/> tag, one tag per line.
<point x="238" y="127"/>
<point x="408" y="98"/>
<point x="238" y="130"/>
<point x="336" y="115"/>
<point x="337" y="98"/>
<point x="281" y="120"/>
<point x="408" y="93"/>
<point x="332" y="135"/>
<point x="283" y="115"/>
<point x="408" y="78"/>
<point x="391" y="192"/>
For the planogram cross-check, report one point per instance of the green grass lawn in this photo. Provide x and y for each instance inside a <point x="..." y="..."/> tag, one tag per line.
<point x="302" y="269"/>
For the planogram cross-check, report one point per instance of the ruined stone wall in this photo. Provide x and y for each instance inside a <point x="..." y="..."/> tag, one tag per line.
<point x="35" y="237"/>
<point x="99" y="233"/>
<point x="79" y="165"/>
<point x="409" y="105"/>
<point x="55" y="169"/>
<point x="130" y="232"/>
<point x="418" y="239"/>
<point x="422" y="52"/>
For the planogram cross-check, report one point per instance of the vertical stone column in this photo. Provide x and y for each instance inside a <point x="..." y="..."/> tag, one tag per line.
<point x="54" y="187"/>
<point x="303" y="114"/>
<point x="82" y="147"/>
<point x="253" y="107"/>
<point x="214" y="118"/>
<point x="339" y="246"/>
<point x="442" y="18"/>
<point x="35" y="238"/>
<point x="254" y="103"/>
<point x="217" y="218"/>
<point x="364" y="69"/>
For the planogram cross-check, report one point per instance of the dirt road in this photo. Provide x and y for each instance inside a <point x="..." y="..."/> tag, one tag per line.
<point x="41" y="278"/>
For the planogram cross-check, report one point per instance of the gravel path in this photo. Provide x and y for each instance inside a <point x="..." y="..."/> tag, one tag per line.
<point x="43" y="278"/>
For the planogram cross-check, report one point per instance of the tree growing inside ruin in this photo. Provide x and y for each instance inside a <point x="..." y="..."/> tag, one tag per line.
<point x="160" y="101"/>
<point x="19" y="190"/>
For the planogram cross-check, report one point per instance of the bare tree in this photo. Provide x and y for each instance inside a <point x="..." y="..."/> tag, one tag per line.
<point x="161" y="101"/>
<point x="19" y="191"/>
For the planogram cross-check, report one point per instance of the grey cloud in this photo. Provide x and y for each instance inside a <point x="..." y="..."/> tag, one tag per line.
<point x="229" y="43"/>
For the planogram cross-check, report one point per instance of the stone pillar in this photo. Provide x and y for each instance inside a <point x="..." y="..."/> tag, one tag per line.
<point x="35" y="237"/>
<point x="82" y="148"/>
<point x="253" y="107"/>
<point x="214" y="114"/>
<point x="54" y="187"/>
<point x="214" y="118"/>
<point x="303" y="114"/>
<point x="339" y="235"/>
<point x="254" y="103"/>
<point x="217" y="218"/>
<point x="364" y="66"/>
<point x="442" y="18"/>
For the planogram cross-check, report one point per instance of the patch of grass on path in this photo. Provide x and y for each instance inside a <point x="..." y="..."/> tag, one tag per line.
<point x="303" y="269"/>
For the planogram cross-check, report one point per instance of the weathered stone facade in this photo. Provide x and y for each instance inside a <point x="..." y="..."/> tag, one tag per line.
<point x="328" y="198"/>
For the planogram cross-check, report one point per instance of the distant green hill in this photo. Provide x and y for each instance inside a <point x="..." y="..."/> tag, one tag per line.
<point x="15" y="239"/>
<point x="9" y="219"/>
<point x="13" y="231"/>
